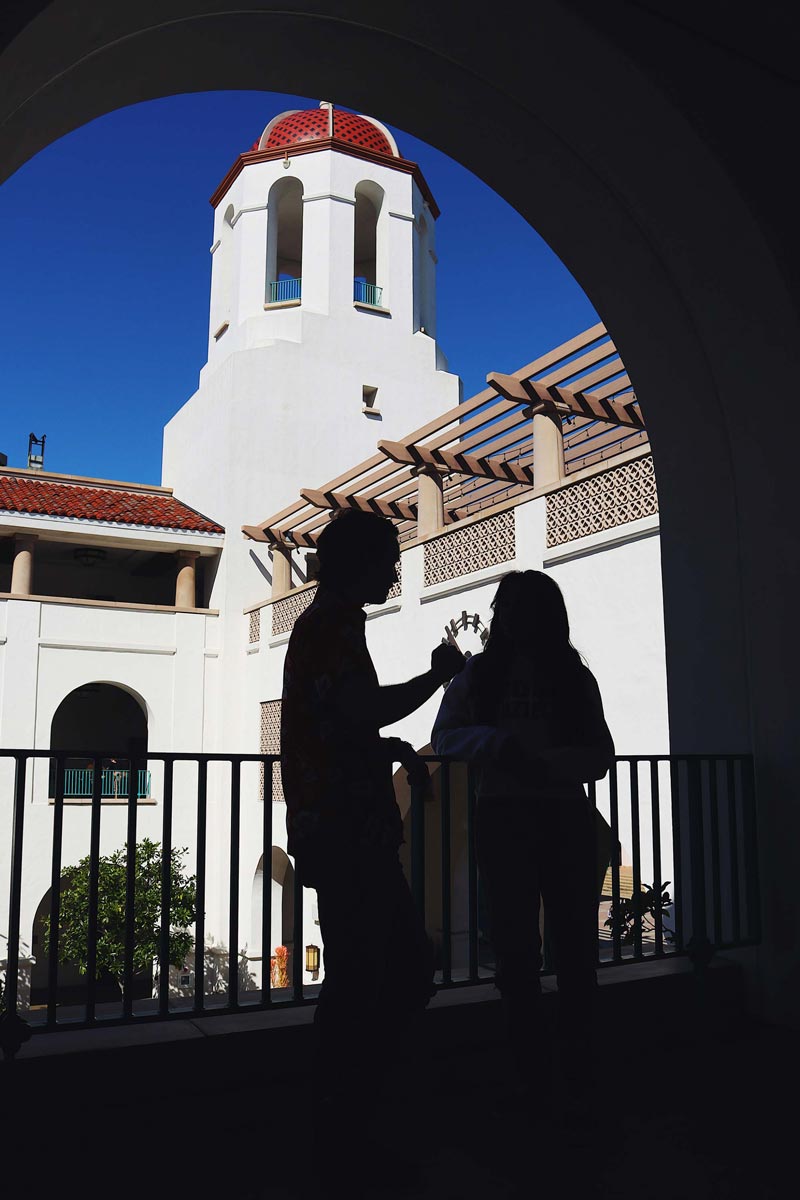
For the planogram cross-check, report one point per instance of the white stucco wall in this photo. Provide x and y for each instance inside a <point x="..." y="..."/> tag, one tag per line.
<point x="47" y="650"/>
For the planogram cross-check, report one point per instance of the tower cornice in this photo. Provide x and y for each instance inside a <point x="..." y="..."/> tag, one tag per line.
<point x="313" y="147"/>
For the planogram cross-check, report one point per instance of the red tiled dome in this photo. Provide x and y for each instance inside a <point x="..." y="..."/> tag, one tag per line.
<point x="309" y="125"/>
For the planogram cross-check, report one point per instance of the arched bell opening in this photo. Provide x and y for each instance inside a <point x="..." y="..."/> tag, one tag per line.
<point x="369" y="265"/>
<point x="285" y="242"/>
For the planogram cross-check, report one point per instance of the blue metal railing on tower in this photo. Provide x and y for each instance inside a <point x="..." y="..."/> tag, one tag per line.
<point x="283" y="290"/>
<point x="367" y="293"/>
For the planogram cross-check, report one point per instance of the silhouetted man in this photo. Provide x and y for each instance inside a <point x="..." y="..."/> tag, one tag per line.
<point x="345" y="828"/>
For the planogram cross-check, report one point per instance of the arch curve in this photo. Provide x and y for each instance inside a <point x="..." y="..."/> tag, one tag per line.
<point x="672" y="238"/>
<point x="106" y="719"/>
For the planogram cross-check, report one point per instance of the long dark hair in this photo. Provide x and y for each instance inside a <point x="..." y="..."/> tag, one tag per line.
<point x="535" y="598"/>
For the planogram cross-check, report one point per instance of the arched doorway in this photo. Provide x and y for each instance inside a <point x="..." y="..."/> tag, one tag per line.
<point x="281" y="883"/>
<point x="105" y="718"/>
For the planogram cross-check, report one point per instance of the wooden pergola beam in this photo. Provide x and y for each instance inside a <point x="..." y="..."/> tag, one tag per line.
<point x="460" y="464"/>
<point x="385" y="508"/>
<point x="521" y="391"/>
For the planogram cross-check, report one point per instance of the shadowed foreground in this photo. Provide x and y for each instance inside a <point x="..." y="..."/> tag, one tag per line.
<point x="684" y="1108"/>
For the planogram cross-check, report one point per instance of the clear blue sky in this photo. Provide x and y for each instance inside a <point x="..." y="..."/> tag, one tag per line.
<point x="104" y="307"/>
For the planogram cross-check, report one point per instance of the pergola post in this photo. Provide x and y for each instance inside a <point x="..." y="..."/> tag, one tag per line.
<point x="548" y="448"/>
<point x="22" y="570"/>
<point x="430" y="501"/>
<point x="281" y="569"/>
<point x="185" y="581"/>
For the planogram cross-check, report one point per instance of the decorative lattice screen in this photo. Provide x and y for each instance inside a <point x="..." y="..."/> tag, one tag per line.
<point x="271" y="744"/>
<point x="396" y="588"/>
<point x="255" y="626"/>
<point x="484" y="544"/>
<point x="604" y="501"/>
<point x="286" y="611"/>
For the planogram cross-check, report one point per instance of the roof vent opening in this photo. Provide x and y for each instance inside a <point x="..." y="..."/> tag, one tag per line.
<point x="36" y="460"/>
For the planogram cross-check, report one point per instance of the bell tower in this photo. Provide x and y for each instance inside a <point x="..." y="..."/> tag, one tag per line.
<point x="322" y="215"/>
<point x="322" y="319"/>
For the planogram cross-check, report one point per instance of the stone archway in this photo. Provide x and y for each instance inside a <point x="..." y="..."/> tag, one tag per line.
<point x="670" y="234"/>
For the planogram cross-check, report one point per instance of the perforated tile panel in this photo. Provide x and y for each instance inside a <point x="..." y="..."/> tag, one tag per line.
<point x="464" y="551"/>
<point x="613" y="498"/>
<point x="254" y="633"/>
<point x="286" y="611"/>
<point x="271" y="744"/>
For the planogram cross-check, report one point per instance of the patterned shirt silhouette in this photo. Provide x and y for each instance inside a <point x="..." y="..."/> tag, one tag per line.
<point x="336" y="779"/>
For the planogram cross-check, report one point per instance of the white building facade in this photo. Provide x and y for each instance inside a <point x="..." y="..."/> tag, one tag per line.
<point x="121" y="603"/>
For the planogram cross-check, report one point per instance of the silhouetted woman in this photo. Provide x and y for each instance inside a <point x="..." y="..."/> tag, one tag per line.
<point x="527" y="713"/>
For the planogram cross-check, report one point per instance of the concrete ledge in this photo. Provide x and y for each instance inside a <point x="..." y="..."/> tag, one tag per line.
<point x="472" y="1010"/>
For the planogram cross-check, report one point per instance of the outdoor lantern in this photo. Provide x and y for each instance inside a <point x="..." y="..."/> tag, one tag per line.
<point x="312" y="958"/>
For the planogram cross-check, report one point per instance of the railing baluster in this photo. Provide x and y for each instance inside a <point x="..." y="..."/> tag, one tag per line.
<point x="633" y="774"/>
<point x="233" y="894"/>
<point x="699" y="946"/>
<point x="13" y="1030"/>
<point x="591" y="787"/>
<point x="655" y="809"/>
<point x="447" y="957"/>
<point x="472" y="880"/>
<point x="55" y="892"/>
<point x="752" y="892"/>
<point x="677" y="850"/>
<point x="716" y="882"/>
<point x="733" y="841"/>
<point x="200" y="923"/>
<point x="418" y="849"/>
<point x="297" y="939"/>
<point x="94" y="883"/>
<point x="166" y="892"/>
<point x="266" y="888"/>
<point x="616" y="939"/>
<point x="130" y="893"/>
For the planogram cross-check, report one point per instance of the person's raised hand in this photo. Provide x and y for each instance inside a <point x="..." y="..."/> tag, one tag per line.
<point x="416" y="768"/>
<point x="446" y="661"/>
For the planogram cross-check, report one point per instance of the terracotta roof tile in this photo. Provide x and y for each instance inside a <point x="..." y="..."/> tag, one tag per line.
<point x="23" y="494"/>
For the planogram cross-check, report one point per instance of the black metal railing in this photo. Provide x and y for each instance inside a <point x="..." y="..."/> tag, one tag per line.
<point x="688" y="821"/>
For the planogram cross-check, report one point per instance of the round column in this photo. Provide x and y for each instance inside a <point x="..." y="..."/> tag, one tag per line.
<point x="548" y="449"/>
<point x="430" y="501"/>
<point x="281" y="569"/>
<point x="185" y="581"/>
<point x="22" y="570"/>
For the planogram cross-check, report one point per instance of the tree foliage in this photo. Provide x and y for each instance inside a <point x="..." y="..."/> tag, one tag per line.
<point x="73" y="935"/>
